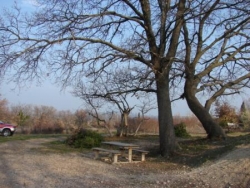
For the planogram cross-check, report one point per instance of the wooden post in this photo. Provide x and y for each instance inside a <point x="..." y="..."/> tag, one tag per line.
<point x="129" y="155"/>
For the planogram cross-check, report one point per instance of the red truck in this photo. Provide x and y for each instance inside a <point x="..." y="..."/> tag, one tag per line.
<point x="7" y="129"/>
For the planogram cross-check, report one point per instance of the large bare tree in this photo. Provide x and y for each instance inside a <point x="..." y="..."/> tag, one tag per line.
<point x="216" y="60"/>
<point x="81" y="38"/>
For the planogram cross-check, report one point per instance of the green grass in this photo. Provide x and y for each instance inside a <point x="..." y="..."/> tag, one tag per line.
<point x="58" y="147"/>
<point x="28" y="136"/>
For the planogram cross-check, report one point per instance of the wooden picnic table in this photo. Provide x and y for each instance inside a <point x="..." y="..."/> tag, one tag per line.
<point x="122" y="145"/>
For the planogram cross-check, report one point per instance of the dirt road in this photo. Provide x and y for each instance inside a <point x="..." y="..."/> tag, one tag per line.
<point x="22" y="164"/>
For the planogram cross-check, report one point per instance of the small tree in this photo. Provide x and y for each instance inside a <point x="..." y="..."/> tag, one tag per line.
<point x="100" y="95"/>
<point x="22" y="119"/>
<point x="181" y="131"/>
<point x="4" y="111"/>
<point x="226" y="114"/>
<point x="22" y="115"/>
<point x="146" y="106"/>
<point x="245" y="118"/>
<point x="83" y="138"/>
<point x="80" y="117"/>
<point x="68" y="121"/>
<point x="245" y="114"/>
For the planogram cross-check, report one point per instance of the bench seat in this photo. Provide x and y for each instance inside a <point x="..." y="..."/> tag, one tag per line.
<point x="143" y="153"/>
<point x="114" y="153"/>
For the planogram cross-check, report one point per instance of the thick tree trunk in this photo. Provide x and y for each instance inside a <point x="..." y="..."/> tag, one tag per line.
<point x="212" y="129"/>
<point x="166" y="127"/>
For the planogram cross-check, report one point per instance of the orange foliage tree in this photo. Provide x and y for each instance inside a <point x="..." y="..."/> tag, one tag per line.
<point x="225" y="113"/>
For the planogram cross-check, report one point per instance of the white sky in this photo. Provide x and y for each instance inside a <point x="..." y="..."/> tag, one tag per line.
<point x="50" y="95"/>
<point x="45" y="94"/>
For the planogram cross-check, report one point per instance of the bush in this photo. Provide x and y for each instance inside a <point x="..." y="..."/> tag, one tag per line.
<point x="180" y="130"/>
<point x="83" y="138"/>
<point x="245" y="118"/>
<point x="223" y="123"/>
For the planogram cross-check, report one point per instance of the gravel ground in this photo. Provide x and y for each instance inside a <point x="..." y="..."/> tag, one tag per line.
<point x="23" y="165"/>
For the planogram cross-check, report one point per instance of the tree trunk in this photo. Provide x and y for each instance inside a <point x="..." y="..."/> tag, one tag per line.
<point x="126" y="123"/>
<point x="212" y="129"/>
<point x="138" y="127"/>
<point x="123" y="129"/>
<point x="108" y="129"/>
<point x="166" y="127"/>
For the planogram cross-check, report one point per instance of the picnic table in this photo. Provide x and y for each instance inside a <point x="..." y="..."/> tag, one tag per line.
<point x="126" y="146"/>
<point x="121" y="148"/>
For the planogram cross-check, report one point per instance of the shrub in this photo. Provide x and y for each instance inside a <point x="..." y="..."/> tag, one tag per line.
<point x="223" y="123"/>
<point x="180" y="130"/>
<point x="83" y="138"/>
<point x="245" y="118"/>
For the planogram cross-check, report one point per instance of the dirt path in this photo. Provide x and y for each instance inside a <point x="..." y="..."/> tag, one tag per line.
<point x="23" y="165"/>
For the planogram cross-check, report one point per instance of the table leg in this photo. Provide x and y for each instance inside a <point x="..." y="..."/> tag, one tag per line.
<point x="130" y="155"/>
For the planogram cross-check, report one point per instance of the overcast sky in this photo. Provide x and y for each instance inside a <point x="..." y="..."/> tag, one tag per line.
<point x="50" y="95"/>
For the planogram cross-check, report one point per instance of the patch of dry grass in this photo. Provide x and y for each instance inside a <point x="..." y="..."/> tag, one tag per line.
<point x="192" y="152"/>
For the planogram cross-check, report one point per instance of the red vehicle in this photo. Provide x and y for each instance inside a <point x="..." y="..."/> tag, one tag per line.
<point x="7" y="129"/>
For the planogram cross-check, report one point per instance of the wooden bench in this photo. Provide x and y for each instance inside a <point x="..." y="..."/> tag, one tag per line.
<point x="114" y="153"/>
<point x="143" y="153"/>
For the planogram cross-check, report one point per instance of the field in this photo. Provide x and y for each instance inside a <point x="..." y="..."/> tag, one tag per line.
<point x="44" y="161"/>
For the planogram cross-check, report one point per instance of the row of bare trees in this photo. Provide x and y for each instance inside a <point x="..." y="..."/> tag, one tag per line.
<point x="171" y="48"/>
<point x="40" y="119"/>
<point x="45" y="119"/>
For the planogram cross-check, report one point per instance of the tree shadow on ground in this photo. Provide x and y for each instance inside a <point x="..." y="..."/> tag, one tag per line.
<point x="196" y="151"/>
<point x="192" y="152"/>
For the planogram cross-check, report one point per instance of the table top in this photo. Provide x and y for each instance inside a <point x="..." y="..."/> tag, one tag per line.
<point x="122" y="144"/>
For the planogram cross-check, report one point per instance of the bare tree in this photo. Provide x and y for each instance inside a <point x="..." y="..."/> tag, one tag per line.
<point x="104" y="94"/>
<point x="67" y="120"/>
<point x="22" y="119"/>
<point x="216" y="60"/>
<point x="95" y="110"/>
<point x="80" y="117"/>
<point x="44" y="117"/>
<point x="144" y="108"/>
<point x="4" y="110"/>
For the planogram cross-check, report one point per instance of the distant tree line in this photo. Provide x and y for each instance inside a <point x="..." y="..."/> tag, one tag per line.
<point x="33" y="119"/>
<point x="47" y="119"/>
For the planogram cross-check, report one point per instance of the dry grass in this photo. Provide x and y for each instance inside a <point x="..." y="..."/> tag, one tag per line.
<point x="192" y="152"/>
